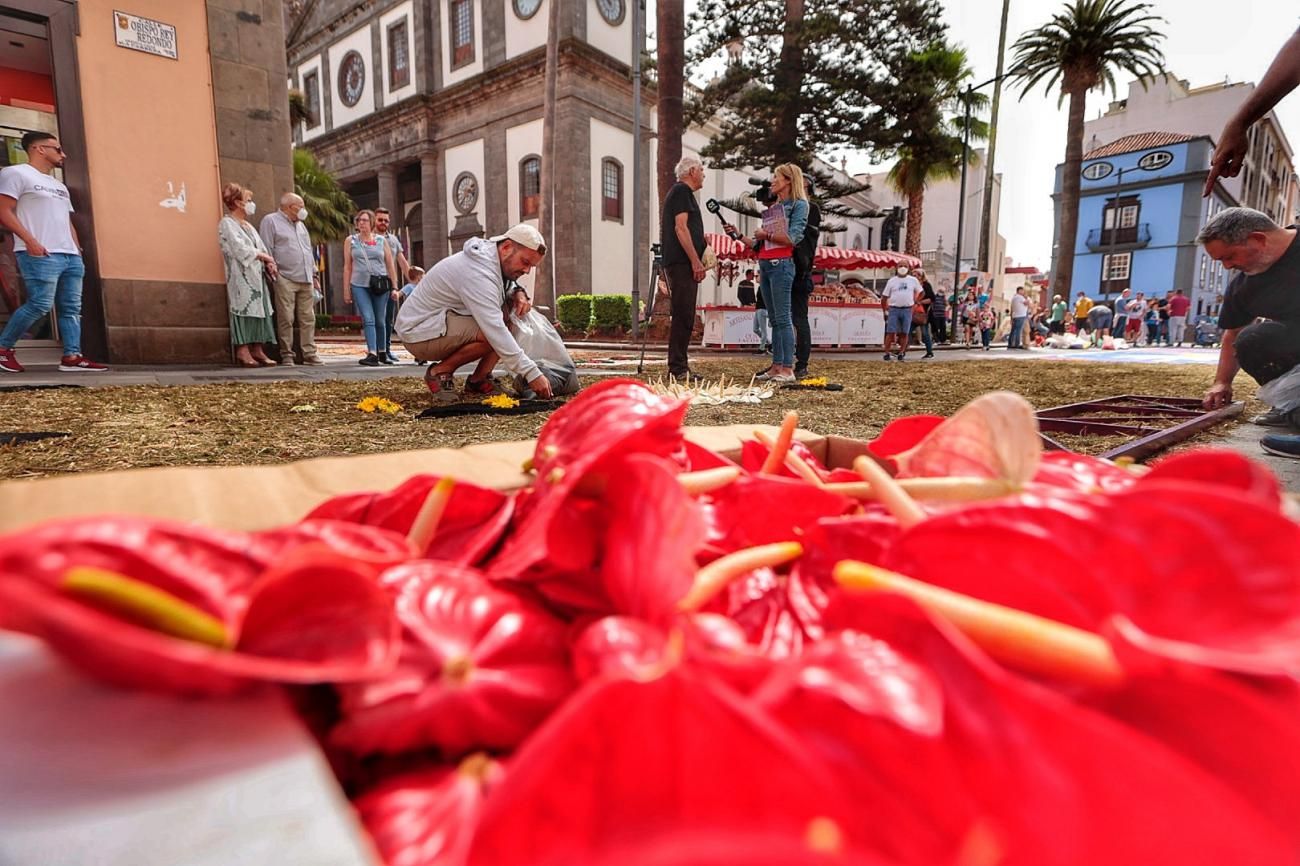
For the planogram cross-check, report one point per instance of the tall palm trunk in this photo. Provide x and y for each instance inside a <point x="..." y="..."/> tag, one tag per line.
<point x="670" y="19"/>
<point x="544" y="287"/>
<point x="986" y="206"/>
<point x="915" y="206"/>
<point x="1069" y="226"/>
<point x="788" y="81"/>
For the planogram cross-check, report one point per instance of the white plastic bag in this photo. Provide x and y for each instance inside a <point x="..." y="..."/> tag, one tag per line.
<point x="1283" y="393"/>
<point x="541" y="342"/>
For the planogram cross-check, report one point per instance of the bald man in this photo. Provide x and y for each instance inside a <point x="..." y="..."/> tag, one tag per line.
<point x="285" y="234"/>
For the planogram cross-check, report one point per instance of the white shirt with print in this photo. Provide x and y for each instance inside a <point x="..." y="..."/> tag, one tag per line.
<point x="902" y="291"/>
<point x="44" y="207"/>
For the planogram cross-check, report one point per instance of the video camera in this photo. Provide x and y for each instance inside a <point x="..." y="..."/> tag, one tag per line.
<point x="763" y="194"/>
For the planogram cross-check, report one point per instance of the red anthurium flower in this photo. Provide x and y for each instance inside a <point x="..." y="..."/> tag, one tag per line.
<point x="1056" y="783"/>
<point x="311" y="618"/>
<point x="654" y="531"/>
<point x="903" y="433"/>
<point x="428" y="817"/>
<point x="753" y="454"/>
<point x="764" y="509"/>
<point x="624" y="761"/>
<point x="1219" y="466"/>
<point x="698" y="457"/>
<point x="779" y="613"/>
<point x="578" y="451"/>
<point x="479" y="668"/>
<point x="1065" y="469"/>
<point x="1247" y="737"/>
<point x="819" y="845"/>
<point x="471" y="526"/>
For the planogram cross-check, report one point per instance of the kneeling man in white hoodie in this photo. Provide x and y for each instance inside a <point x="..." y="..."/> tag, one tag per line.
<point x="457" y="314"/>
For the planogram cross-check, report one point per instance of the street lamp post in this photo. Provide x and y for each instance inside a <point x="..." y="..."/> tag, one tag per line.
<point x="965" y="157"/>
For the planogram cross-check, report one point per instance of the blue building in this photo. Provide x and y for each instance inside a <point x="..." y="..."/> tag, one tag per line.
<point x="1140" y="209"/>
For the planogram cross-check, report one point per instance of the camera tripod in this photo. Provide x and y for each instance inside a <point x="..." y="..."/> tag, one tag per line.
<point x="656" y="273"/>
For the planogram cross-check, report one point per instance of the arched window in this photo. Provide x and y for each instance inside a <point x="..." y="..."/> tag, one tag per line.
<point x="611" y="189"/>
<point x="530" y="187"/>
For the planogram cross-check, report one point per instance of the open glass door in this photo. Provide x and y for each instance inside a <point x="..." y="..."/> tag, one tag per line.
<point x="27" y="104"/>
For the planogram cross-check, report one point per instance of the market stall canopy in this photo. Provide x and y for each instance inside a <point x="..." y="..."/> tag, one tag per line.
<point x="828" y="258"/>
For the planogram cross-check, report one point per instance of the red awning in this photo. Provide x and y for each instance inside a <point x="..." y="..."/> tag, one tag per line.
<point x="727" y="249"/>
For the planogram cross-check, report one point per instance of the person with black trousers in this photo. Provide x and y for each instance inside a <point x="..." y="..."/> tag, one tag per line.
<point x="804" y="254"/>
<point x="681" y="233"/>
<point x="927" y="301"/>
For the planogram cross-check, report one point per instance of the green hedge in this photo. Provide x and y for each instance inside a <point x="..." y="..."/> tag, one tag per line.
<point x="574" y="311"/>
<point x="612" y="311"/>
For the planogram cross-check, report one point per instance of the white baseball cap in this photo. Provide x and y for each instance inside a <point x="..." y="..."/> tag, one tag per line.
<point x="524" y="235"/>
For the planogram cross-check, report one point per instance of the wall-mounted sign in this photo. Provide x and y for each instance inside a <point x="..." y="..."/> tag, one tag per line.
<point x="1098" y="170"/>
<point x="1155" y="159"/>
<point x="144" y="34"/>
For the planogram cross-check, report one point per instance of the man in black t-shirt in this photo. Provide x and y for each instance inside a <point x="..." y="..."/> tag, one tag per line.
<point x="745" y="290"/>
<point x="1267" y="287"/>
<point x="681" y="232"/>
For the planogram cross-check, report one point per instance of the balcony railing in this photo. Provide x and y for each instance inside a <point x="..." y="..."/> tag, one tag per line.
<point x="1118" y="240"/>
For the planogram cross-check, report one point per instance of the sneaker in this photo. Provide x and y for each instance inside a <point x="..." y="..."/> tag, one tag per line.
<point x="80" y="364"/>
<point x="802" y="373"/>
<point x="1273" y="418"/>
<point x="1281" y="444"/>
<point x="888" y="357"/>
<point x="902" y="356"/>
<point x="313" y="361"/>
<point x="485" y="388"/>
<point x="387" y="360"/>
<point x="782" y="379"/>
<point x="287" y="362"/>
<point x="441" y="385"/>
<point x="927" y="355"/>
<point x="8" y="362"/>
<point x="369" y="361"/>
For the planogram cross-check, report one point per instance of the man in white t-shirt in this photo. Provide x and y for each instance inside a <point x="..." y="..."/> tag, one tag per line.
<point x="901" y="292"/>
<point x="37" y="209"/>
<point x="1019" y="313"/>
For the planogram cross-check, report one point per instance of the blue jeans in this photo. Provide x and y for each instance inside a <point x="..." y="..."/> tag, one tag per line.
<point x="776" y="279"/>
<point x="373" y="310"/>
<point x="1015" y="341"/>
<point x="53" y="281"/>
<point x="760" y="328"/>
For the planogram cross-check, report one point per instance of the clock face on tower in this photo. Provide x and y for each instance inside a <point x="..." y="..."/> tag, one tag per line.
<point x="464" y="192"/>
<point x="352" y="78"/>
<point x="611" y="10"/>
<point x="527" y="8"/>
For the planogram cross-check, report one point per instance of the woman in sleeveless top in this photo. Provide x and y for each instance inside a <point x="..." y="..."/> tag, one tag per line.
<point x="365" y="255"/>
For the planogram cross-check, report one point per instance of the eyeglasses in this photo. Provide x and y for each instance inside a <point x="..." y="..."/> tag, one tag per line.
<point x="53" y="147"/>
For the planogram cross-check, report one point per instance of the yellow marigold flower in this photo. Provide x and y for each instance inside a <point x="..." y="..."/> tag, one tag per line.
<point x="379" y="404"/>
<point x="817" y="382"/>
<point x="500" y="401"/>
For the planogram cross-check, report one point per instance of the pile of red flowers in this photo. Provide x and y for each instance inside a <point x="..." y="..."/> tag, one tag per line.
<point x="962" y="651"/>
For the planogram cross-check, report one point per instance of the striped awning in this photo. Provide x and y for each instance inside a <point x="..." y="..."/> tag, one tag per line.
<point x="828" y="258"/>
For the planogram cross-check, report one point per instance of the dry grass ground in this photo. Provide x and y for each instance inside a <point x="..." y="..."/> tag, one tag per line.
<point x="249" y="423"/>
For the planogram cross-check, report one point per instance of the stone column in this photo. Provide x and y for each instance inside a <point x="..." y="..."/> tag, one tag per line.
<point x="388" y="189"/>
<point x="434" y="237"/>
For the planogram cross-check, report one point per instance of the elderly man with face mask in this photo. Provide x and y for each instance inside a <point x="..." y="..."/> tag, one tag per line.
<point x="457" y="314"/>
<point x="284" y="232"/>
<point x="901" y="293"/>
<point x="1267" y="287"/>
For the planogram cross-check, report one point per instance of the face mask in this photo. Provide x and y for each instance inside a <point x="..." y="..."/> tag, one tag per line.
<point x="250" y="207"/>
<point x="302" y="214"/>
<point x="902" y="272"/>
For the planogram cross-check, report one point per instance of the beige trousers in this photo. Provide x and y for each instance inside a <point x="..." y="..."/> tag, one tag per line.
<point x="294" y="303"/>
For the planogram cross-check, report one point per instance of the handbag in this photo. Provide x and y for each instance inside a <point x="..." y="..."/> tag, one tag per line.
<point x="379" y="285"/>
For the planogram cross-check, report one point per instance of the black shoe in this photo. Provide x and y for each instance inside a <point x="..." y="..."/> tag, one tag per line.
<point x="1281" y="444"/>
<point x="369" y="361"/>
<point x="927" y="355"/>
<point x="902" y="356"/>
<point x="1273" y="418"/>
<point x="888" y="357"/>
<point x="801" y="373"/>
<point x="389" y="358"/>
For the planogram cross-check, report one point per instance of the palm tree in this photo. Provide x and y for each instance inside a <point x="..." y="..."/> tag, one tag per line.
<point x="931" y="148"/>
<point x="329" y="208"/>
<point x="1082" y="48"/>
<point x="670" y="41"/>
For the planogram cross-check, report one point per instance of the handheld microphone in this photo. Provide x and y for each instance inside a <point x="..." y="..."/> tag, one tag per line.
<point x="712" y="206"/>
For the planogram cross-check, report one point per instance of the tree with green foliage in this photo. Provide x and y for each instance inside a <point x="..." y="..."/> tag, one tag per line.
<point x="932" y="147"/>
<point x="329" y="208"/>
<point x="1082" y="48"/>
<point x="807" y="76"/>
